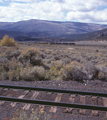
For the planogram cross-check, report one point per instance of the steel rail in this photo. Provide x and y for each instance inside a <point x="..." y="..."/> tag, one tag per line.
<point x="52" y="103"/>
<point x="55" y="90"/>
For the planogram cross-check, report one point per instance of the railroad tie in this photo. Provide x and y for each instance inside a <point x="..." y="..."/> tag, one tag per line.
<point x="94" y="101"/>
<point x="3" y="90"/>
<point x="48" y="95"/>
<point x="9" y="95"/>
<point x="105" y="103"/>
<point x="83" y="101"/>
<point x="57" y="99"/>
<point x="27" y="106"/>
<point x="13" y="104"/>
<point x="71" y="100"/>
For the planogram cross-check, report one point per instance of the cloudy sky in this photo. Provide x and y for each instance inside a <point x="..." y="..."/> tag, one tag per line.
<point x="87" y="11"/>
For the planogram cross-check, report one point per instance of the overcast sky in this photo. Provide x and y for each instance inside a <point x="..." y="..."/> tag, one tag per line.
<point x="87" y="11"/>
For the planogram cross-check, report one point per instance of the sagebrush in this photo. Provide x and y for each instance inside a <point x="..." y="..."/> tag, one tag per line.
<point x="45" y="62"/>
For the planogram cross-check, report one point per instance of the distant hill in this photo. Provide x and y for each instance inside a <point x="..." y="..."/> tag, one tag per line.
<point x="47" y="29"/>
<point x="12" y="33"/>
<point x="96" y="35"/>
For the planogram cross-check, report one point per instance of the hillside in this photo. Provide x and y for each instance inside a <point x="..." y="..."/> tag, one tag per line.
<point x="43" y="28"/>
<point x="96" y="35"/>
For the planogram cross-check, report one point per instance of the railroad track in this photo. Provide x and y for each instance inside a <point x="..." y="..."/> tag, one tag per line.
<point x="69" y="99"/>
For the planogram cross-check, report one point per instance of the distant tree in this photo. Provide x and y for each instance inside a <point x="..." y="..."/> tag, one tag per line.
<point x="6" y="41"/>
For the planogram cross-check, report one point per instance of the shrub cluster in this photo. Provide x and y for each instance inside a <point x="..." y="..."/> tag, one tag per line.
<point x="33" y="73"/>
<point x="31" y="63"/>
<point x="6" y="41"/>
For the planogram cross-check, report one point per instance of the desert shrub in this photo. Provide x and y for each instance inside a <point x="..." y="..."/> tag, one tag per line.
<point x="57" y="57"/>
<point x="6" y="41"/>
<point x="66" y="60"/>
<point x="57" y="64"/>
<point x="35" y="115"/>
<point x="23" y="60"/>
<point x="91" y="56"/>
<point x="4" y="68"/>
<point x="68" y="70"/>
<point x="102" y="65"/>
<point x="14" y="74"/>
<point x="102" y="73"/>
<point x="77" y="71"/>
<point x="48" y="61"/>
<point x="4" y="75"/>
<point x="4" y="64"/>
<point x="10" y="69"/>
<point x="12" y="54"/>
<point x="41" y="54"/>
<point x="15" y="71"/>
<point x="55" y="68"/>
<point x="13" y="64"/>
<point x="29" y="52"/>
<point x="48" y="56"/>
<point x="36" y="61"/>
<point x="30" y="55"/>
<point x="33" y="73"/>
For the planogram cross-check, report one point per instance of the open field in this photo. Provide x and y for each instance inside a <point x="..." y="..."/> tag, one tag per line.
<point x="92" y="43"/>
<point x="32" y="61"/>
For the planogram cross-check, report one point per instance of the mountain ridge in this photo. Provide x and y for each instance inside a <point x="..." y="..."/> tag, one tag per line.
<point x="46" y="29"/>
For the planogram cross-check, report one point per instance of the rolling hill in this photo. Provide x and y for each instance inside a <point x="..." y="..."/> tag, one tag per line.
<point x="47" y="29"/>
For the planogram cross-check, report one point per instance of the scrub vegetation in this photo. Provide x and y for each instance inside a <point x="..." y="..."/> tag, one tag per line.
<point x="6" y="41"/>
<point x="35" y="115"/>
<point x="33" y="61"/>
